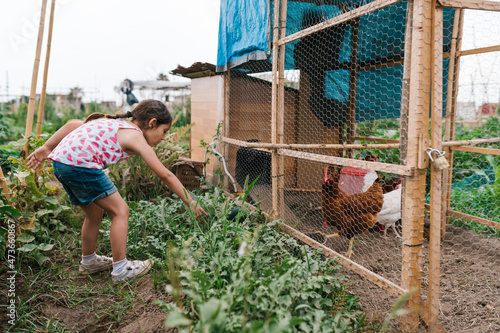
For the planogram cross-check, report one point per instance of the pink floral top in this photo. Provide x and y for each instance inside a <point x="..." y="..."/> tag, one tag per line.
<point x="93" y="145"/>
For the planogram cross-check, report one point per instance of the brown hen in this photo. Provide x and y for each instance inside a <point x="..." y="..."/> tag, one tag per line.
<point x="351" y="214"/>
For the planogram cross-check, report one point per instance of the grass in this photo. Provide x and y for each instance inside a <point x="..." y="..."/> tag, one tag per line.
<point x="242" y="267"/>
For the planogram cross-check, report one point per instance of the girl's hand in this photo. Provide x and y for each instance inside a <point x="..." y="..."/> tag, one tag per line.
<point x="197" y="210"/>
<point x="36" y="158"/>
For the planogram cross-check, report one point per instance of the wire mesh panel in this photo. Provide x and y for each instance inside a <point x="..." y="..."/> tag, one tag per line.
<point x="338" y="151"/>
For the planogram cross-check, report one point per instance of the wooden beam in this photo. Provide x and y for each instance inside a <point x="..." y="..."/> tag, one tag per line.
<point x="479" y="50"/>
<point x="281" y="112"/>
<point x="344" y="261"/>
<point x="377" y="166"/>
<point x="34" y="79"/>
<point x="355" y="13"/>
<point x="225" y="130"/>
<point x="309" y="146"/>
<point x="274" y="106"/>
<point x="364" y="138"/>
<point x="477" y="150"/>
<point x="41" y="107"/>
<point x="353" y="87"/>
<point x="414" y="186"/>
<point x="471" y="4"/>
<point x="469" y="217"/>
<point x="470" y="142"/>
<point x="451" y="107"/>
<point x="436" y="180"/>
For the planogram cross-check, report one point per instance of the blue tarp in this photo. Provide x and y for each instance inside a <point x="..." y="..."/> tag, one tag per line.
<point x="245" y="39"/>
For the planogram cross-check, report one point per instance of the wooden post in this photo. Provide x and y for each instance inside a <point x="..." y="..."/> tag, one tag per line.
<point x="45" y="74"/>
<point x="281" y="112"/>
<point x="353" y="86"/>
<point x="436" y="175"/>
<point x="414" y="187"/>
<point x="451" y="107"/>
<point x="34" y="78"/>
<point x="225" y="129"/>
<point x="406" y="84"/>
<point x="274" y="108"/>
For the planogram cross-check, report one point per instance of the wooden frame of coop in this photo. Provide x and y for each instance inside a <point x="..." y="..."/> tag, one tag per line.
<point x="422" y="88"/>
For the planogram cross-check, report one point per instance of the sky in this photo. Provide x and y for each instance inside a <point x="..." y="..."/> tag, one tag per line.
<point x="97" y="44"/>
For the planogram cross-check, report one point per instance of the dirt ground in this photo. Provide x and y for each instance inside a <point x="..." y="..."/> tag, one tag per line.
<point x="470" y="284"/>
<point x="470" y="273"/>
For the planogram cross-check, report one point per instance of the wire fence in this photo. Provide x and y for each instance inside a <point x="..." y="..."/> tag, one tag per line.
<point x="335" y="130"/>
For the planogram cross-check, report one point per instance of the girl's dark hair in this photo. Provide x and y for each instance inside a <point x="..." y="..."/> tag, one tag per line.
<point x="142" y="113"/>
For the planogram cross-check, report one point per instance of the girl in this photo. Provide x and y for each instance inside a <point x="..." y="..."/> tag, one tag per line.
<point x="83" y="151"/>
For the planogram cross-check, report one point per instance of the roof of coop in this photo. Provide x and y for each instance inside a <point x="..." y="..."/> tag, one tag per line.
<point x="245" y="44"/>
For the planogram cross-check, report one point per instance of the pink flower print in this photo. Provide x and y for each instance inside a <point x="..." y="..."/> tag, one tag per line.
<point x="78" y="162"/>
<point x="107" y="155"/>
<point x="64" y="152"/>
<point x="113" y="158"/>
<point x="82" y="141"/>
<point x="82" y="155"/>
<point x="114" y="139"/>
<point x="80" y="147"/>
<point x="106" y="141"/>
<point x="101" y="133"/>
<point x="88" y="130"/>
<point x="73" y="148"/>
<point x="70" y="158"/>
<point x="97" y="138"/>
<point x="95" y="144"/>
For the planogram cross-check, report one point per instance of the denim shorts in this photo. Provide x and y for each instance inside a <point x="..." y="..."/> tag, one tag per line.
<point x="83" y="185"/>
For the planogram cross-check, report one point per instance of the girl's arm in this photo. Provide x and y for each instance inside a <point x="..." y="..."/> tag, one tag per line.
<point x="134" y="141"/>
<point x="36" y="158"/>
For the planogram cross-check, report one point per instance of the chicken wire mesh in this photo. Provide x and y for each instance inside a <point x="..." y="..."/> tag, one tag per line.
<point x="345" y="85"/>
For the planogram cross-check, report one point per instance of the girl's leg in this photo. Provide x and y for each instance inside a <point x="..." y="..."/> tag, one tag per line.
<point x="90" y="228"/>
<point x="118" y="211"/>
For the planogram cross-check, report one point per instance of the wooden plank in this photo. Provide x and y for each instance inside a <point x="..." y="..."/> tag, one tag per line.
<point x="377" y="166"/>
<point x="436" y="180"/>
<point x="479" y="50"/>
<point x="346" y="262"/>
<point x="274" y="106"/>
<point x="477" y="150"/>
<point x="309" y="146"/>
<point x="281" y="112"/>
<point x="470" y="142"/>
<point x="471" y="4"/>
<point x="355" y="13"/>
<point x="34" y="79"/>
<point x="353" y="86"/>
<point x="469" y="217"/>
<point x="451" y="107"/>
<point x="363" y="138"/>
<point x="45" y="73"/>
<point x="414" y="187"/>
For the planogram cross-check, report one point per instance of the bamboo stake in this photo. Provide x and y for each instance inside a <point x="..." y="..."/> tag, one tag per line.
<point x="45" y="73"/>
<point x="436" y="175"/>
<point x="353" y="86"/>
<point x="281" y="111"/>
<point x="34" y="78"/>
<point x="414" y="187"/>
<point x="274" y="107"/>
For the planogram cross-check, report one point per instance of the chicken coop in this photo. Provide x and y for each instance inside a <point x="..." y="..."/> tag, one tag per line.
<point x="346" y="116"/>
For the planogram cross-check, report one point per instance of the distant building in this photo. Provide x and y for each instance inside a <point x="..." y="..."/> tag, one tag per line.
<point x="110" y="105"/>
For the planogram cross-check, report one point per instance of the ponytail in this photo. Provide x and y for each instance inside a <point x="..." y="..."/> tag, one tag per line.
<point x="97" y="115"/>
